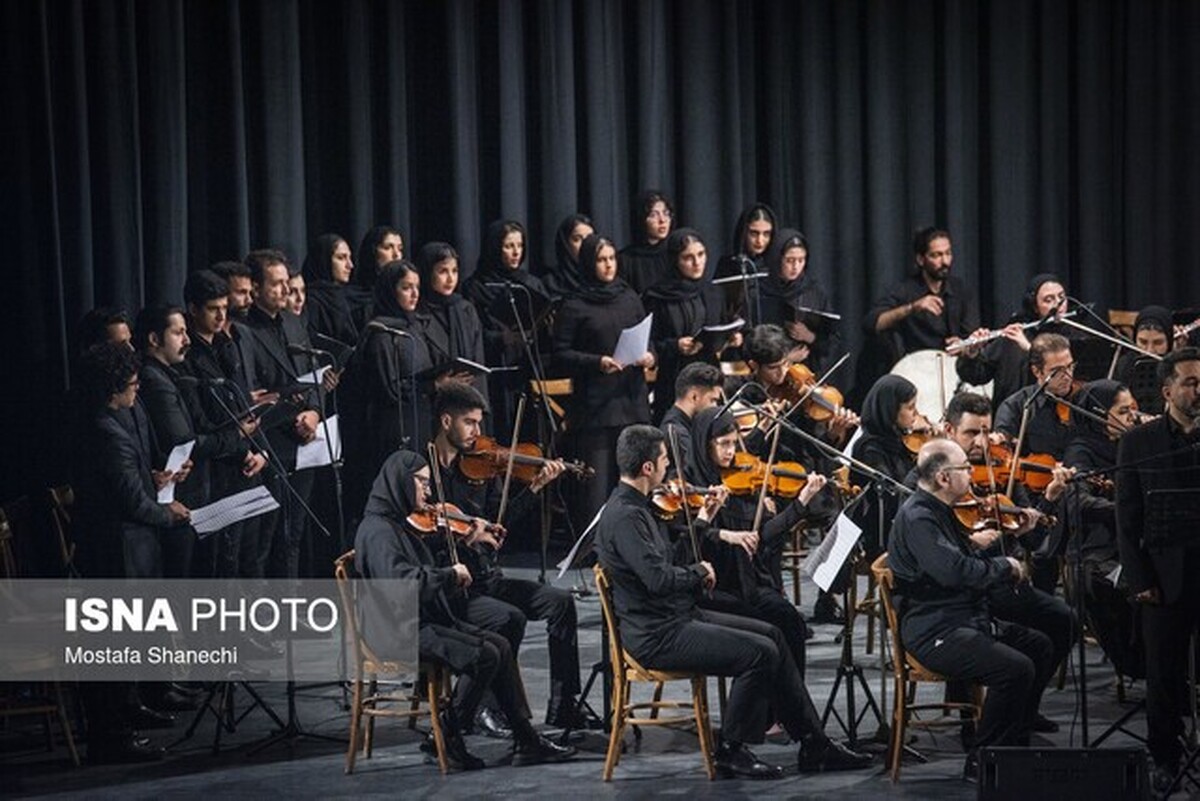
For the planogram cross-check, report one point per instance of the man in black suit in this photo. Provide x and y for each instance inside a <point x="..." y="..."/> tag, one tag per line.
<point x="1158" y="561"/>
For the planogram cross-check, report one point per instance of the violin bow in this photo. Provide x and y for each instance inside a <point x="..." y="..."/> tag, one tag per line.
<point x="818" y="382"/>
<point x="512" y="457"/>
<point x="762" y="493"/>
<point x="673" y="435"/>
<point x="443" y="522"/>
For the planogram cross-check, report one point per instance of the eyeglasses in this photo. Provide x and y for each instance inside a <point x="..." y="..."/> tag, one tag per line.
<point x="966" y="466"/>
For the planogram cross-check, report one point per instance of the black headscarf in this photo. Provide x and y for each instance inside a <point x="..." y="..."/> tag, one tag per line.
<point x="393" y="495"/>
<point x="385" y="302"/>
<point x="643" y="204"/>
<point x="1158" y="317"/>
<point x="675" y="287"/>
<point x="708" y="425"/>
<point x="491" y="267"/>
<point x="883" y="403"/>
<point x="591" y="288"/>
<point x="1091" y="436"/>
<point x="743" y="222"/>
<point x="1029" y="299"/>
<point x="365" y="268"/>
<point x="449" y="310"/>
<point x="328" y="307"/>
<point x="563" y="278"/>
<point x="774" y="285"/>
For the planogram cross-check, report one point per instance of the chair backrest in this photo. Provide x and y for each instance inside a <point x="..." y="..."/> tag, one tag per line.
<point x="61" y="499"/>
<point x="343" y="571"/>
<point x="604" y="590"/>
<point x="885" y="579"/>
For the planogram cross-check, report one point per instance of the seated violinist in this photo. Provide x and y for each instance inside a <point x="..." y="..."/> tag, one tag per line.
<point x="496" y="602"/>
<point x="387" y="545"/>
<point x="944" y="585"/>
<point x="969" y="424"/>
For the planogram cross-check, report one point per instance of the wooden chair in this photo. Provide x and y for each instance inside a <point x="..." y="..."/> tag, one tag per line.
<point x="60" y="500"/>
<point x="793" y="559"/>
<point x="908" y="673"/>
<point x="626" y="670"/>
<point x="1123" y="320"/>
<point x="28" y="699"/>
<point x="367" y="700"/>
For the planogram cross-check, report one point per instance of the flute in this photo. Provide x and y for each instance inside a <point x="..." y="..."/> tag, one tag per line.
<point x="969" y="342"/>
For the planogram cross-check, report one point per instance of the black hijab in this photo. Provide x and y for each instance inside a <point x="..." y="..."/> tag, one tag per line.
<point x="1091" y="436"/>
<point x="385" y="302"/>
<point x="591" y="288"/>
<point x="365" y="268"/>
<point x="774" y="285"/>
<point x="880" y="408"/>
<point x="708" y="425"/>
<point x="393" y="495"/>
<point x="643" y="204"/>
<point x="743" y="222"/>
<point x="563" y="278"/>
<point x="675" y="287"/>
<point x="1029" y="299"/>
<point x="330" y="308"/>
<point x="1156" y="317"/>
<point x="490" y="269"/>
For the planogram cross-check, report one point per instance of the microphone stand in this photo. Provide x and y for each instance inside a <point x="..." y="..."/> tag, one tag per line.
<point x="334" y="461"/>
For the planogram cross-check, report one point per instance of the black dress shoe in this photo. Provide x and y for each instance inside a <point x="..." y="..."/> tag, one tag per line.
<point x="740" y="761"/>
<point x="827" y="611"/>
<point x="457" y="755"/>
<point x="971" y="767"/>
<point x="143" y="717"/>
<point x="821" y="757"/>
<point x="1043" y="724"/>
<point x="539" y="751"/>
<point x="566" y="714"/>
<point x="491" y="723"/>
<point x="123" y="751"/>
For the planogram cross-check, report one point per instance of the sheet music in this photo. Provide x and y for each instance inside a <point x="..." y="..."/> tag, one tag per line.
<point x="316" y="453"/>
<point x="1114" y="576"/>
<point x="179" y="455"/>
<point x="233" y="508"/>
<point x="634" y="341"/>
<point x="826" y="560"/>
<point x="569" y="560"/>
<point x="315" y="377"/>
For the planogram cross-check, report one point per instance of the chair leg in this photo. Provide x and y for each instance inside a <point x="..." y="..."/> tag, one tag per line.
<point x="355" y="725"/>
<point x="899" y="729"/>
<point x="433" y="687"/>
<point x="620" y="711"/>
<point x="65" y="722"/>
<point x="369" y="743"/>
<point x="703" y="730"/>
<point x="722" y="695"/>
<point x="415" y="704"/>
<point x="658" y="691"/>
<point x="873" y="597"/>
<point x="1120" y="688"/>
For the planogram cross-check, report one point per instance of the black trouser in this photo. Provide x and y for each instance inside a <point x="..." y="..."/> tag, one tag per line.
<point x="484" y="658"/>
<point x="1014" y="665"/>
<point x="152" y="552"/>
<point x="292" y="522"/>
<point x="1167" y="629"/>
<point x="536" y="601"/>
<point x="597" y="447"/>
<point x="770" y="606"/>
<point x="756" y="655"/>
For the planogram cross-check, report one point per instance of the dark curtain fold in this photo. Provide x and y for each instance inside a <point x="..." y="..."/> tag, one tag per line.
<point x="146" y="138"/>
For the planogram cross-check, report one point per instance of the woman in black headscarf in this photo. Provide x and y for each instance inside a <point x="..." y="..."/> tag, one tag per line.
<point x="390" y="407"/>
<point x="752" y="235"/>
<point x="791" y="286"/>
<point x="757" y="581"/>
<point x="327" y="271"/>
<point x="1153" y="332"/>
<point x="606" y="396"/>
<point x="454" y="329"/>
<point x="889" y="411"/>
<point x="1006" y="360"/>
<point x="562" y="279"/>
<point x="644" y="262"/>
<point x="502" y="261"/>
<point x="1091" y="507"/>
<point x="381" y="245"/>
<point x="677" y="303"/>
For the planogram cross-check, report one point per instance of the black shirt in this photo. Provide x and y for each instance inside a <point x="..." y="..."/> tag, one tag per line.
<point x="922" y="331"/>
<point x="1045" y="432"/>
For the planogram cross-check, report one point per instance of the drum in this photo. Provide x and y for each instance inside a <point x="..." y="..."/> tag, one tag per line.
<point x="936" y="379"/>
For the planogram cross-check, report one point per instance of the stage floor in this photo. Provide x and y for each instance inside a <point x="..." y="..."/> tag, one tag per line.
<point x="666" y="764"/>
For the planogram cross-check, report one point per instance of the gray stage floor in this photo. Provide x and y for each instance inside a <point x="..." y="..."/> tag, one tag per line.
<point x="667" y="763"/>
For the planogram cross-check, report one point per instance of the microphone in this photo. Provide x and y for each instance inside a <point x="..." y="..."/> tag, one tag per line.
<point x="1050" y="315"/>
<point x="333" y="340"/>
<point x="302" y="350"/>
<point x="195" y="381"/>
<point x="732" y="398"/>
<point x="375" y="325"/>
<point x="1042" y="386"/>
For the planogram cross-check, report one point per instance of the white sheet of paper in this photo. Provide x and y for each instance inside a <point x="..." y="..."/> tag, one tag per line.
<point x="1115" y="575"/>
<point x="826" y="560"/>
<point x="179" y="455"/>
<point x="634" y="341"/>
<point x="569" y="559"/>
<point x="316" y="453"/>
<point x="229" y="510"/>
<point x="315" y="376"/>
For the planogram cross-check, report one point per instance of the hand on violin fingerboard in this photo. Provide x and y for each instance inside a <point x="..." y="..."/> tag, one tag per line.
<point x="1058" y="484"/>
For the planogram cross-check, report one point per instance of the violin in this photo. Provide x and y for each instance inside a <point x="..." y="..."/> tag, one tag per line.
<point x="918" y="434"/>
<point x="747" y="474"/>
<point x="427" y="519"/>
<point x="1035" y="470"/>
<point x="821" y="401"/>
<point x="1062" y="410"/>
<point x="993" y="511"/>
<point x="669" y="497"/>
<point x="489" y="459"/>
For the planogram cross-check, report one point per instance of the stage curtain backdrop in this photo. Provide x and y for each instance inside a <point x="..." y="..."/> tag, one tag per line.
<point x="145" y="138"/>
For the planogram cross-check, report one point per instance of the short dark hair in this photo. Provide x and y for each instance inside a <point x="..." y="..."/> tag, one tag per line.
<point x="456" y="398"/>
<point x="924" y="236"/>
<point x="935" y="460"/>
<point x="696" y="375"/>
<point x="257" y="261"/>
<point x="93" y="327"/>
<point x="967" y="403"/>
<point x="105" y="370"/>
<point x="153" y="320"/>
<point x="231" y="269"/>
<point x="767" y="344"/>
<point x="1166" y="368"/>
<point x="637" y="445"/>
<point x="203" y="286"/>
<point x="1046" y="343"/>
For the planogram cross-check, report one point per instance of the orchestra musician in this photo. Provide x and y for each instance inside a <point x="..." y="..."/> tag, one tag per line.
<point x="1152" y="332"/>
<point x="644" y="262"/>
<point x="697" y="387"/>
<point x="751" y="237"/>
<point x="1163" y="455"/>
